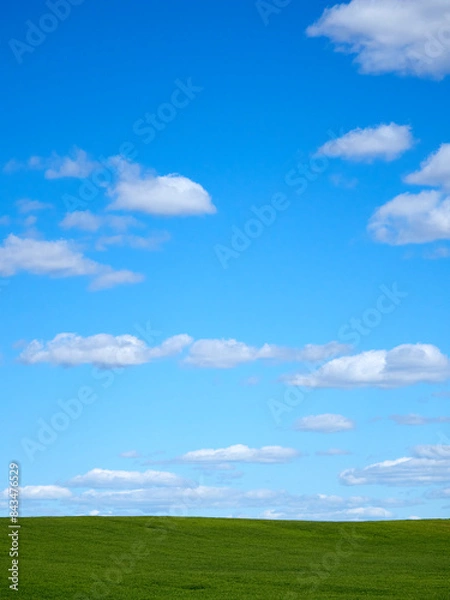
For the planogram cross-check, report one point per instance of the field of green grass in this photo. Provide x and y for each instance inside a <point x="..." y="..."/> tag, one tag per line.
<point x="136" y="558"/>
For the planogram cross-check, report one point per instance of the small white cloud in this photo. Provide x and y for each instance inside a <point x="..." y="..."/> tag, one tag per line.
<point x="413" y="419"/>
<point x="242" y="453"/>
<point x="104" y="478"/>
<point x="57" y="259"/>
<point x="130" y="454"/>
<point x="102" y="350"/>
<point x="434" y="171"/>
<point x="25" y="205"/>
<point x="169" y="195"/>
<point x="225" y="354"/>
<point x="327" y="423"/>
<point x="404" y="365"/>
<point x="78" y="165"/>
<point x="391" y="36"/>
<point x="88" y="221"/>
<point x="412" y="219"/>
<point x="152" y="242"/>
<point x="333" y="452"/>
<point x="384" y="142"/>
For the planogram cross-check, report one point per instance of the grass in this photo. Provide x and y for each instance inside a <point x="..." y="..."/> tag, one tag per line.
<point x="139" y="558"/>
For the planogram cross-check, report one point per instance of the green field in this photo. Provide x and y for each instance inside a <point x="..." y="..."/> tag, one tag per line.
<point x="141" y="558"/>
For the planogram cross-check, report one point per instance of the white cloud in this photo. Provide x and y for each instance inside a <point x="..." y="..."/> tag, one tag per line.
<point x="333" y="452"/>
<point x="57" y="259"/>
<point x="103" y="350"/>
<point x="413" y="419"/>
<point x="25" y="205"/>
<point x="406" y="37"/>
<point x="412" y="219"/>
<point x="404" y="365"/>
<point x="104" y="478"/>
<point x="430" y="465"/>
<point x="41" y="492"/>
<point x="130" y="454"/>
<point x="385" y="142"/>
<point x="88" y="221"/>
<point x="77" y="165"/>
<point x="152" y="242"/>
<point x="225" y="354"/>
<point x="168" y="195"/>
<point x="434" y="171"/>
<point x="326" y="423"/>
<point x="242" y="453"/>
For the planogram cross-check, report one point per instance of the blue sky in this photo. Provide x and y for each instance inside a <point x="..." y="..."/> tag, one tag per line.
<point x="224" y="258"/>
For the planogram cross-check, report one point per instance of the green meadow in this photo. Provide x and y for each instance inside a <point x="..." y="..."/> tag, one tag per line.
<point x="139" y="558"/>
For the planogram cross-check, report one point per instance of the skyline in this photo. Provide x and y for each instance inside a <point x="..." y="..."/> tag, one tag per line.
<point x="224" y="259"/>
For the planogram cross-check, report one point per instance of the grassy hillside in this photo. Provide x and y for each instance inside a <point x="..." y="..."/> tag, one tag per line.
<point x="91" y="558"/>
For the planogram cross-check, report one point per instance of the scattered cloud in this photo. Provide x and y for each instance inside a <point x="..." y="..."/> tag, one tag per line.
<point x="76" y="165"/>
<point x="5" y="220"/>
<point x="429" y="465"/>
<point x="384" y="142"/>
<point x="88" y="221"/>
<point x="104" y="478"/>
<point x="26" y="206"/>
<point x="404" y="365"/>
<point x="326" y="423"/>
<point x="242" y="453"/>
<point x="412" y="219"/>
<point x="152" y="242"/>
<point x="390" y="36"/>
<point x="168" y="195"/>
<point x="434" y="171"/>
<point x="225" y="354"/>
<point x="413" y="419"/>
<point x="130" y="454"/>
<point x="333" y="452"/>
<point x="41" y="492"/>
<point x="57" y="259"/>
<point x="102" y="350"/>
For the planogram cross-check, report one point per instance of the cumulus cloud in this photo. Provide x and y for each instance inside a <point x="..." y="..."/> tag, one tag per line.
<point x="434" y="171"/>
<point x="57" y="259"/>
<point x="412" y="219"/>
<point x="429" y="465"/>
<point x="404" y="365"/>
<point x="104" y="478"/>
<point x="225" y="354"/>
<point x="406" y="37"/>
<point x="102" y="350"/>
<point x="167" y="195"/>
<point x="413" y="419"/>
<point x="326" y="423"/>
<point x="384" y="142"/>
<point x="77" y="165"/>
<point x="242" y="453"/>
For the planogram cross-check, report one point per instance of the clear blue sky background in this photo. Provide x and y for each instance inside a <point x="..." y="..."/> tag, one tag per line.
<point x="269" y="97"/>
